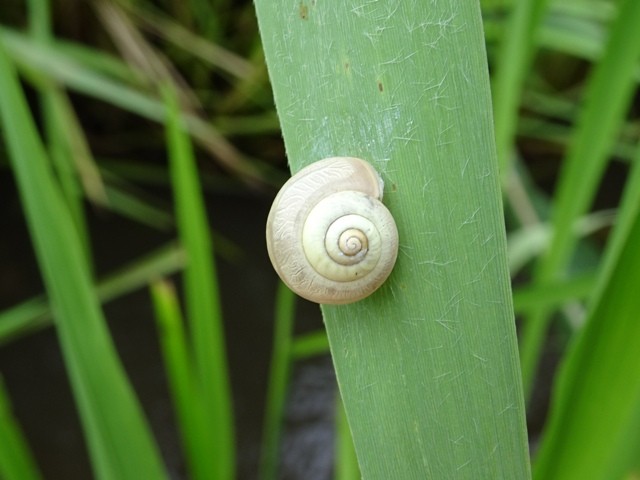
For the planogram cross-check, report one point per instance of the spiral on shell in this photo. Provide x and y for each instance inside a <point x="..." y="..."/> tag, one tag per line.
<point x="329" y="237"/>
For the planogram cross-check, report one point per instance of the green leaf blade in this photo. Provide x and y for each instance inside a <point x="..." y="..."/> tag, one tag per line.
<point x="16" y="460"/>
<point x="592" y="431"/>
<point x="515" y="56"/>
<point x="279" y="372"/>
<point x="201" y="293"/>
<point x="427" y="366"/>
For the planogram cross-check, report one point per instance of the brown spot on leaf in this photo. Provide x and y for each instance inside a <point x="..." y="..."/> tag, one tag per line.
<point x="394" y="187"/>
<point x="380" y="87"/>
<point x="304" y="11"/>
<point x="346" y="65"/>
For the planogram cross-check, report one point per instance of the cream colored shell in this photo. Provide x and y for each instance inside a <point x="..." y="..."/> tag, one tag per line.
<point x="329" y="236"/>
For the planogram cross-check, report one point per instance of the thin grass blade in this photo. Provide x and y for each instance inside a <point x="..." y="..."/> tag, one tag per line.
<point x="16" y="460"/>
<point x="279" y="371"/>
<point x="187" y="399"/>
<point x="310" y="345"/>
<point x="107" y="405"/>
<point x="195" y="44"/>
<point x="346" y="460"/>
<point x="201" y="293"/>
<point x="36" y="313"/>
<point x="40" y="30"/>
<point x="553" y="295"/>
<point x="516" y="53"/>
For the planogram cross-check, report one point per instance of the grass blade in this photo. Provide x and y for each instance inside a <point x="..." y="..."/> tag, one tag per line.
<point x="36" y="313"/>
<point x="554" y="294"/>
<point x="184" y="388"/>
<point x="309" y="345"/>
<point x="594" y="422"/>
<point x="77" y="146"/>
<point x="16" y="462"/>
<point x="427" y="366"/>
<point x="607" y="100"/>
<point x="516" y="54"/>
<point x="281" y="360"/>
<point x="201" y="293"/>
<point x="56" y="135"/>
<point x="194" y="44"/>
<point x="529" y="242"/>
<point x="141" y="210"/>
<point x="107" y="405"/>
<point x="346" y="461"/>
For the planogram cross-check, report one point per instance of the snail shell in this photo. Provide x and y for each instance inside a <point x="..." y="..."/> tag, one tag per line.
<point x="329" y="236"/>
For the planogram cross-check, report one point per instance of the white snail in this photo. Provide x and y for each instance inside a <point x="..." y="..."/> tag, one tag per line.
<point x="329" y="236"/>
